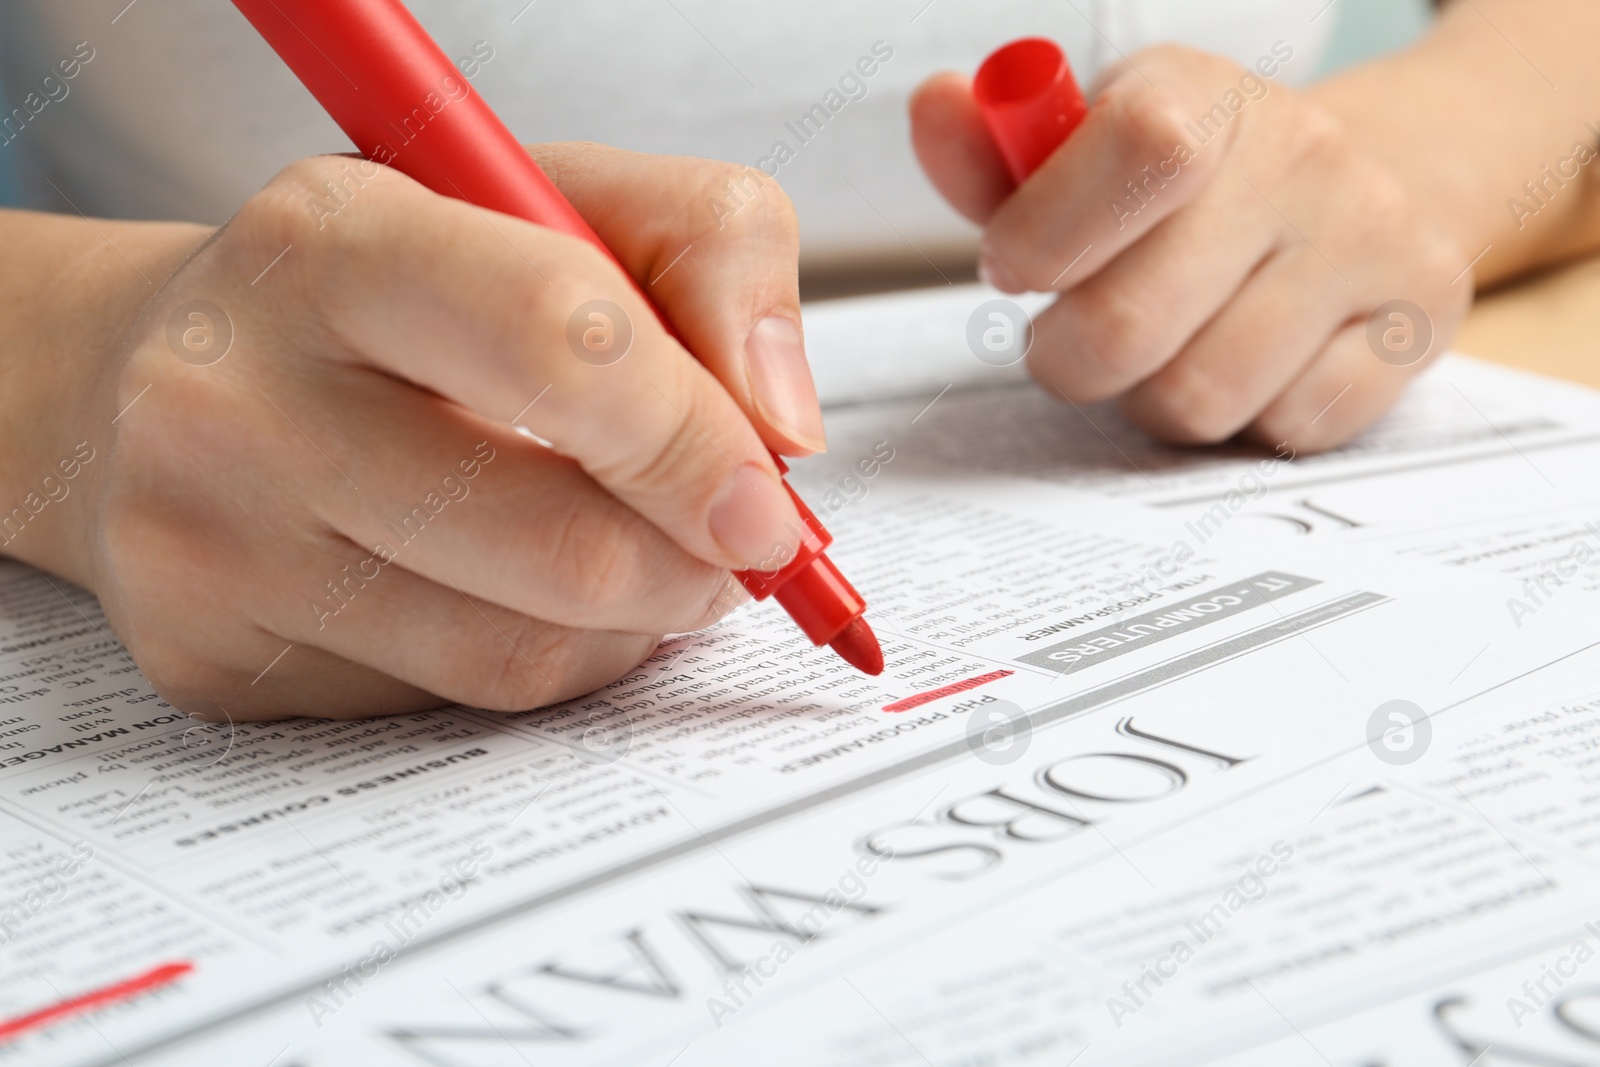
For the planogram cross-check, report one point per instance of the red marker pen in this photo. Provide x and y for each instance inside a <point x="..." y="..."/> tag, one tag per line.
<point x="404" y="104"/>
<point x="1030" y="102"/>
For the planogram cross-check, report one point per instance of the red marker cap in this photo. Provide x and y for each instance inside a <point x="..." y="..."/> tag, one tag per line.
<point x="1030" y="102"/>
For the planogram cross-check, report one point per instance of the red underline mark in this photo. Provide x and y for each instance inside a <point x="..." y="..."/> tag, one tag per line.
<point x="165" y="974"/>
<point x="944" y="691"/>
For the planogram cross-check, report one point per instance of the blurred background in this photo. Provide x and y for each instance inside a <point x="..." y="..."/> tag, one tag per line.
<point x="1366" y="28"/>
<point x="1362" y="28"/>
<point x="180" y="112"/>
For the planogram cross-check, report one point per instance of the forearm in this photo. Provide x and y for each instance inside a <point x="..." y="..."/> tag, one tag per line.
<point x="1499" y="90"/>
<point x="69" y="291"/>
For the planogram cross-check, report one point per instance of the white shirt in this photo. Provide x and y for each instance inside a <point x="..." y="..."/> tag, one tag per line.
<point x="183" y="112"/>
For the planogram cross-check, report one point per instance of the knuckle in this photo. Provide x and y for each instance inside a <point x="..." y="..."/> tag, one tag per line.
<point x="1064" y="377"/>
<point x="1439" y="259"/>
<point x="311" y="175"/>
<point x="553" y="663"/>
<point x="1189" y="403"/>
<point x="1046" y="370"/>
<point x="1172" y="56"/>
<point x="305" y="205"/>
<point x="181" y="678"/>
<point x="1114" y="336"/>
<point x="285" y="209"/>
<point x="746" y="201"/>
<point x="1303" y="417"/>
<point x="127" y="539"/>
<point x="1118" y="327"/>
<point x="585" y="274"/>
<point x="1272" y="426"/>
<point x="147" y="555"/>
<point x="1316" y="140"/>
<point x="1441" y="263"/>
<point x="1166" y="54"/>
<point x="1284" y="423"/>
<point x="529" y="326"/>
<point x="1151" y="121"/>
<point x="603" y="560"/>
<point x="527" y="667"/>
<point x="1386" y="209"/>
<point x="582" y="662"/>
<point x="1027" y="254"/>
<point x="541" y="316"/>
<point x="672" y="455"/>
<point x="1063" y="380"/>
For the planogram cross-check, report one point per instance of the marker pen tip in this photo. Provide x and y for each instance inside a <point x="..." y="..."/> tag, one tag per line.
<point x="858" y="645"/>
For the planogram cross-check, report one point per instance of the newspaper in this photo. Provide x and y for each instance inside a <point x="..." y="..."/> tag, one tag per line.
<point x="1237" y="757"/>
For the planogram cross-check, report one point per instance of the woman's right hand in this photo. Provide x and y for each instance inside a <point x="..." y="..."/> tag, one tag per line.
<point x="314" y="502"/>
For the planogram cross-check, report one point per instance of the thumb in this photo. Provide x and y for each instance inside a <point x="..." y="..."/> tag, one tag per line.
<point x="716" y="247"/>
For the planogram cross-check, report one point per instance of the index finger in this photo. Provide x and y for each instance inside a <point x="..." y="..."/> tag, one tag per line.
<point x="716" y="246"/>
<point x="1133" y="162"/>
<point x="525" y="325"/>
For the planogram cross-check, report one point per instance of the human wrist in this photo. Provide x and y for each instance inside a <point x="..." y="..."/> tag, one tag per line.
<point x="1446" y="183"/>
<point x="74" y="291"/>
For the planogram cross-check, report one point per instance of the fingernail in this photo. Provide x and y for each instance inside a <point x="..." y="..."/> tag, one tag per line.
<point x="780" y="378"/>
<point x="995" y="273"/>
<point x="753" y="519"/>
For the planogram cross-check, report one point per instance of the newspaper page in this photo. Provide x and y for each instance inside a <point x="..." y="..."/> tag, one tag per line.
<point x="1124" y="794"/>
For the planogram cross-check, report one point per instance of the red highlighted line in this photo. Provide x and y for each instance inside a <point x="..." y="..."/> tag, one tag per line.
<point x="949" y="690"/>
<point x="165" y="974"/>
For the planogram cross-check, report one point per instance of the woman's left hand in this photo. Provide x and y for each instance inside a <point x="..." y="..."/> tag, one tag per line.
<point x="1228" y="258"/>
